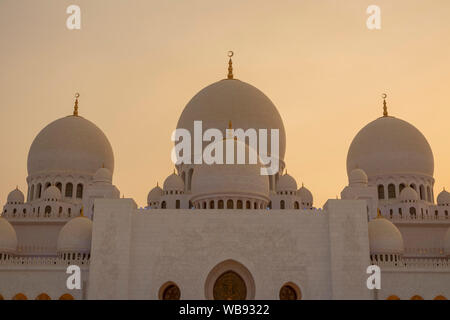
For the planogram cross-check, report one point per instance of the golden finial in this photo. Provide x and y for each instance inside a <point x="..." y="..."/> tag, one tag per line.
<point x="230" y="125"/>
<point x="75" y="108"/>
<point x="385" y="112"/>
<point x="230" y="65"/>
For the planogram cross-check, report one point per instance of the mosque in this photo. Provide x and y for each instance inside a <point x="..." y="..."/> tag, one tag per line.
<point x="226" y="232"/>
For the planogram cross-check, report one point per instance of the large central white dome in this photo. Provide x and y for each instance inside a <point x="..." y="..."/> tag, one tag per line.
<point x="71" y="145"/>
<point x="236" y="101"/>
<point x="390" y="146"/>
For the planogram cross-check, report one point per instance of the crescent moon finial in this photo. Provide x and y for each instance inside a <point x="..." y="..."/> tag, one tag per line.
<point x="385" y="112"/>
<point x="75" y="107"/>
<point x="230" y="65"/>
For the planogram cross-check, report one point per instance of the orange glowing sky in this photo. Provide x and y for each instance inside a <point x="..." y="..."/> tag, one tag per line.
<point x="137" y="63"/>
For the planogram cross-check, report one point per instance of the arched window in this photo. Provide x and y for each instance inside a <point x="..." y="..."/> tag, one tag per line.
<point x="230" y="204"/>
<point x="32" y="193"/>
<point x="296" y="205"/>
<point x="230" y="286"/>
<point x="248" y="205"/>
<point x="413" y="186"/>
<point x="43" y="296"/>
<point x="66" y="296"/>
<point x="270" y="205"/>
<point x="422" y="192"/>
<point x="282" y="205"/>
<point x="391" y="191"/>
<point x="401" y="187"/>
<point x="169" y="291"/>
<point x="177" y="204"/>
<point x="290" y="291"/>
<point x="412" y="212"/>
<point x="446" y="214"/>
<point x="211" y="204"/>
<point x="239" y="204"/>
<point x="38" y="191"/>
<point x="47" y="211"/>
<point x="400" y="212"/>
<point x="220" y="204"/>
<point x="59" y="186"/>
<point x="429" y="194"/>
<point x="48" y="184"/>
<point x="380" y="191"/>
<point x="69" y="190"/>
<point x="204" y="205"/>
<point x="163" y="205"/>
<point x="79" y="191"/>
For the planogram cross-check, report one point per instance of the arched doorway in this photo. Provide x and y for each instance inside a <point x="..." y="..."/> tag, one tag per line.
<point x="230" y="280"/>
<point x="66" y="296"/>
<point x="230" y="286"/>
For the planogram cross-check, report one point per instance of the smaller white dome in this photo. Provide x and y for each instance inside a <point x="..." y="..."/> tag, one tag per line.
<point x="16" y="196"/>
<point x="52" y="193"/>
<point x="447" y="242"/>
<point x="305" y="195"/>
<point x="384" y="237"/>
<point x="357" y="177"/>
<point x="286" y="183"/>
<point x="443" y="199"/>
<point x="76" y="236"/>
<point x="173" y="183"/>
<point x="103" y="175"/>
<point x="408" y="194"/>
<point x="8" y="237"/>
<point x="154" y="195"/>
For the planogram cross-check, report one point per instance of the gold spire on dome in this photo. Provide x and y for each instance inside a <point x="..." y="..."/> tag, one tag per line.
<point x="385" y="112"/>
<point x="75" y="107"/>
<point x="230" y="65"/>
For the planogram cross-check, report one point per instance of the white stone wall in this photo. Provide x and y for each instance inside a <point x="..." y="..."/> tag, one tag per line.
<point x="134" y="252"/>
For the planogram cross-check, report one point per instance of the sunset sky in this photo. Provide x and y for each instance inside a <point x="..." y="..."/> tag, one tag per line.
<point x="137" y="63"/>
